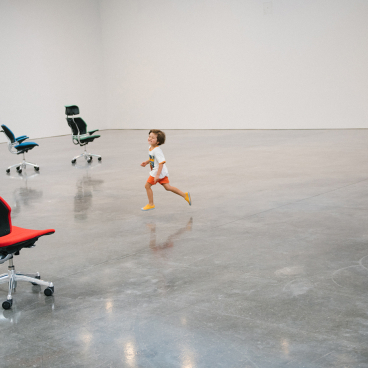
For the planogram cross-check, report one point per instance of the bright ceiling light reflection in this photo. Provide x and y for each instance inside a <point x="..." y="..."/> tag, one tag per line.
<point x="130" y="354"/>
<point x="188" y="361"/>
<point x="285" y="346"/>
<point x="108" y="306"/>
<point x="86" y="338"/>
<point x="187" y="364"/>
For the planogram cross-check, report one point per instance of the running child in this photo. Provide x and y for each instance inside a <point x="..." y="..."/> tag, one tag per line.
<point x="159" y="172"/>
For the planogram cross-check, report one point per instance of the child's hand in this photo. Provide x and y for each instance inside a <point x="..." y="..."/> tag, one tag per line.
<point x="144" y="164"/>
<point x="156" y="179"/>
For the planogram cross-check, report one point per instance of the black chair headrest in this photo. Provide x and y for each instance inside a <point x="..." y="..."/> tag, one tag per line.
<point x="71" y="110"/>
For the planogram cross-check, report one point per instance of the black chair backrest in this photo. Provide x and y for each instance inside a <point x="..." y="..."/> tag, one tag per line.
<point x="8" y="133"/>
<point x="77" y="124"/>
<point x="82" y="126"/>
<point x="5" y="219"/>
<point x="73" y="126"/>
<point x="71" y="110"/>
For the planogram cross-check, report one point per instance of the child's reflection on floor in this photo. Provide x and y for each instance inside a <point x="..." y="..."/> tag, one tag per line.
<point x="169" y="242"/>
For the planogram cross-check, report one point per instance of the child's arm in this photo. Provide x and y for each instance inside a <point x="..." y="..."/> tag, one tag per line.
<point x="145" y="163"/>
<point x="160" y="166"/>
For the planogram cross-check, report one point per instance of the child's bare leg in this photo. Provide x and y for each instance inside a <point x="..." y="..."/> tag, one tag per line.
<point x="177" y="191"/>
<point x="149" y="193"/>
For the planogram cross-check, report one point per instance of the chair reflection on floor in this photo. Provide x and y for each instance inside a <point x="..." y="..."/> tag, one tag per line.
<point x="25" y="196"/>
<point x="83" y="198"/>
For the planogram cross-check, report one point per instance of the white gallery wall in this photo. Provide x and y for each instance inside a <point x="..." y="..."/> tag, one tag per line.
<point x="183" y="64"/>
<point x="50" y="56"/>
<point x="236" y="64"/>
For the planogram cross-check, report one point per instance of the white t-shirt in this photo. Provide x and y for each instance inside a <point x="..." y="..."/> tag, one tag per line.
<point x="157" y="157"/>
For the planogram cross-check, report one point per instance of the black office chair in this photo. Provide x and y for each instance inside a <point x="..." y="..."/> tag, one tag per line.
<point x="16" y="146"/>
<point x="80" y="135"/>
<point x="12" y="240"/>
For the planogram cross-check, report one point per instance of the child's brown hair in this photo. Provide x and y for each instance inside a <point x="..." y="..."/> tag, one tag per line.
<point x="161" y="137"/>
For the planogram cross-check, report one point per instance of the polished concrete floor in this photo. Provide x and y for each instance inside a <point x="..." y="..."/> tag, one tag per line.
<point x="267" y="268"/>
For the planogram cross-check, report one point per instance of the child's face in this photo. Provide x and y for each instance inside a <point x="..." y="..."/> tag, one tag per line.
<point x="152" y="139"/>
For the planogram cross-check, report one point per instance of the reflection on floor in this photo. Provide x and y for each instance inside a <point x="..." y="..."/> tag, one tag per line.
<point x="268" y="268"/>
<point x="83" y="198"/>
<point x="24" y="194"/>
<point x="169" y="242"/>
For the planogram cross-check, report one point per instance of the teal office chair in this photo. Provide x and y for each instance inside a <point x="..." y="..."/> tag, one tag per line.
<point x="17" y="146"/>
<point x="80" y="135"/>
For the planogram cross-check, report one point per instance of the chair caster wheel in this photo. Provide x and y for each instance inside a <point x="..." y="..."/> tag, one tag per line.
<point x="100" y="158"/>
<point x="89" y="160"/>
<point x="37" y="168"/>
<point x="38" y="278"/>
<point x="74" y="161"/>
<point x="7" y="304"/>
<point x="19" y="171"/>
<point x="18" y="168"/>
<point x="7" y="171"/>
<point x="49" y="291"/>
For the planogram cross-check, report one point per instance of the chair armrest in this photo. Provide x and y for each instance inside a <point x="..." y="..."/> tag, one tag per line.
<point x="21" y="139"/>
<point x="93" y="131"/>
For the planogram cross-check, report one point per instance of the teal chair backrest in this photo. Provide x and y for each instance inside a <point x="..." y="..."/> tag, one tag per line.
<point x="8" y="133"/>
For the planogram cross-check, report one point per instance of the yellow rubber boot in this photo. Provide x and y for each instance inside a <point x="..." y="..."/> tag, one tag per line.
<point x="148" y="207"/>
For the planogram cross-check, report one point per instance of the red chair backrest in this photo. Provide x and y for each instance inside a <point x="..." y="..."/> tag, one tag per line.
<point x="5" y="218"/>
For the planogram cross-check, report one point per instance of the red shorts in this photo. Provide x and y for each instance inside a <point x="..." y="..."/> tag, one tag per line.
<point x="164" y="180"/>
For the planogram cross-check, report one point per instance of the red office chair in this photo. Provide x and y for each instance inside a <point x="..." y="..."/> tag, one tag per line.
<point x="12" y="240"/>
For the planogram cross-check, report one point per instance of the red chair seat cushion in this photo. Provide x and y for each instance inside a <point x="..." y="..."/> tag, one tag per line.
<point x="20" y="235"/>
